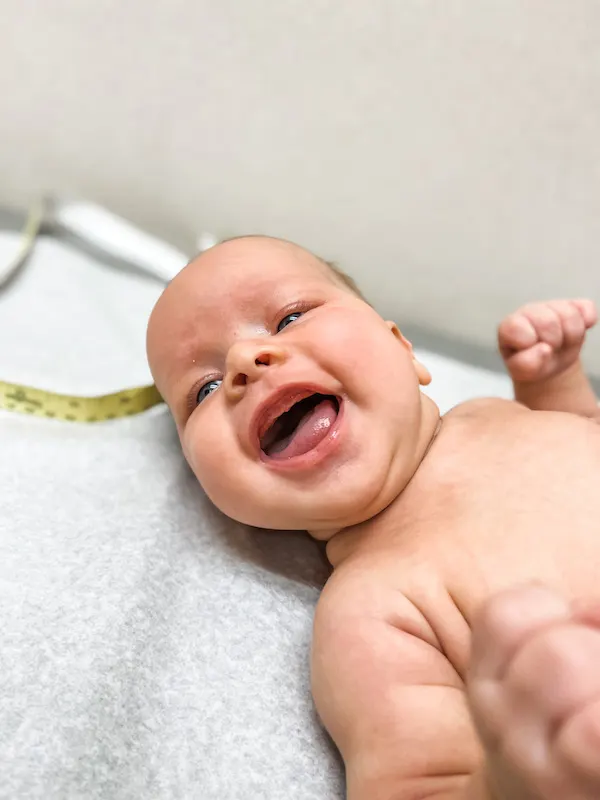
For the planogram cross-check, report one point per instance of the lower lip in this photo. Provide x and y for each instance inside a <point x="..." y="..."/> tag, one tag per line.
<point x="313" y="457"/>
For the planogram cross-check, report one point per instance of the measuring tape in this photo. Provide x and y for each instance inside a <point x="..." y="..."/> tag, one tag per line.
<point x="70" y="408"/>
<point x="66" y="407"/>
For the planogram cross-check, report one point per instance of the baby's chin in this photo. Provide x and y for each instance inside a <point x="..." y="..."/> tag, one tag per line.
<point x="346" y="496"/>
<point x="326" y="514"/>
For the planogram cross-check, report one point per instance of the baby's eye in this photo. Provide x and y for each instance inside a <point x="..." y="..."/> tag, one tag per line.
<point x="207" y="389"/>
<point x="287" y="319"/>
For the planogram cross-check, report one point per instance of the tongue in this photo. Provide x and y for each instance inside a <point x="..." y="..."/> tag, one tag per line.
<point x="312" y="428"/>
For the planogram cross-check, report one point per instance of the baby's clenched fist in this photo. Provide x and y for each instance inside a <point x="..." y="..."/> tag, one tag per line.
<point x="534" y="690"/>
<point x="542" y="340"/>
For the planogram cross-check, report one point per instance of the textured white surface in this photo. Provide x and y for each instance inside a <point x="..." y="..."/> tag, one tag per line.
<point x="151" y="648"/>
<point x="447" y="152"/>
<point x="73" y="325"/>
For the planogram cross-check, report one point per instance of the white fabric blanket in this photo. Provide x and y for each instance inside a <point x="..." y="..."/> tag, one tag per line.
<point x="150" y="648"/>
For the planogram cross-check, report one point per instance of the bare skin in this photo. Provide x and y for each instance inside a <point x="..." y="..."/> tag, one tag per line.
<point x="420" y="630"/>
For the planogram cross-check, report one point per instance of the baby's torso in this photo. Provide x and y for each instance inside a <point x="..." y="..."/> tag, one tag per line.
<point x="505" y="496"/>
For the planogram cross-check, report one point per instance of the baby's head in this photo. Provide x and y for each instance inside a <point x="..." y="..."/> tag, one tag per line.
<point x="298" y="407"/>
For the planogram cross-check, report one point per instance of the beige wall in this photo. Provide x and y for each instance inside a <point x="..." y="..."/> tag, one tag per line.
<point x="446" y="152"/>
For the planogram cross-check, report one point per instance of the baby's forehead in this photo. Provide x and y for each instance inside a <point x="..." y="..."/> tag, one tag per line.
<point x="229" y="279"/>
<point x="252" y="258"/>
<point x="245" y="271"/>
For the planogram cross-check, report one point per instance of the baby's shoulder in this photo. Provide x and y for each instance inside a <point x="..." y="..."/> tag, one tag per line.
<point x="485" y="407"/>
<point x="484" y="411"/>
<point x="373" y="592"/>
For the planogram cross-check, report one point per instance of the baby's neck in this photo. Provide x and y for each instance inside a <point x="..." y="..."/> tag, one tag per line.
<point x="366" y="535"/>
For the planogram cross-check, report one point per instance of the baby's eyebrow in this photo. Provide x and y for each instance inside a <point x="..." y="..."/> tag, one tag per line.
<point x="190" y="344"/>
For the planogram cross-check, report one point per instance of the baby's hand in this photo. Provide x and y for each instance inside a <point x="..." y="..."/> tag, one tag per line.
<point x="534" y="689"/>
<point x="542" y="340"/>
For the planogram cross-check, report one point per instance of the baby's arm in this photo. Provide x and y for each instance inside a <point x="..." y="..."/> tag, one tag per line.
<point x="541" y="346"/>
<point x="392" y="702"/>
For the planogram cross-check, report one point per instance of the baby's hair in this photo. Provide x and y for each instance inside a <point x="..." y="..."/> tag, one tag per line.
<point x="344" y="278"/>
<point x="341" y="276"/>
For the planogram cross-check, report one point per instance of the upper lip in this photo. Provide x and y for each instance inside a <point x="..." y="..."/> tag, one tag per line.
<point x="277" y="403"/>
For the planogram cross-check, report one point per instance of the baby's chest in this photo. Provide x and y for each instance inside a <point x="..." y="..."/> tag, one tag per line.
<point x="519" y="516"/>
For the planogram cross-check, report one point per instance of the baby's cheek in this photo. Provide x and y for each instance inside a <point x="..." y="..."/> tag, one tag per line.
<point x="346" y="338"/>
<point x="360" y="346"/>
<point x="209" y="449"/>
<point x="213" y="453"/>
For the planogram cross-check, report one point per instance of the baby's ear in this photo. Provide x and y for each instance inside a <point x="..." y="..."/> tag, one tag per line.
<point x="423" y="373"/>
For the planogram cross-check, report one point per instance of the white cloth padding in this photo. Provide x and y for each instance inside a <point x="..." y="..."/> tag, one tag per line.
<point x="151" y="648"/>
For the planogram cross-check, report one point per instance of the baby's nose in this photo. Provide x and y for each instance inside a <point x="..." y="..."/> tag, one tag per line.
<point x="246" y="363"/>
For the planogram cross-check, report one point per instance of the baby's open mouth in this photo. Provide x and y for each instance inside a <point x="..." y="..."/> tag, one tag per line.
<point x="301" y="428"/>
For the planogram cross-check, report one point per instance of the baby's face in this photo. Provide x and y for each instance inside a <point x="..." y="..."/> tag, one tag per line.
<point x="297" y="405"/>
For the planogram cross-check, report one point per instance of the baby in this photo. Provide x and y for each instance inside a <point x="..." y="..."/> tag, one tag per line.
<point x="299" y="407"/>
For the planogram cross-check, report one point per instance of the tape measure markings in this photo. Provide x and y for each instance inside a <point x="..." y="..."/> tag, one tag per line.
<point x="73" y="408"/>
<point x="52" y="405"/>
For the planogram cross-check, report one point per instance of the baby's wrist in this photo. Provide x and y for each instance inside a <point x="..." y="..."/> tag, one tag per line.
<point x="569" y="390"/>
<point x="569" y="376"/>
